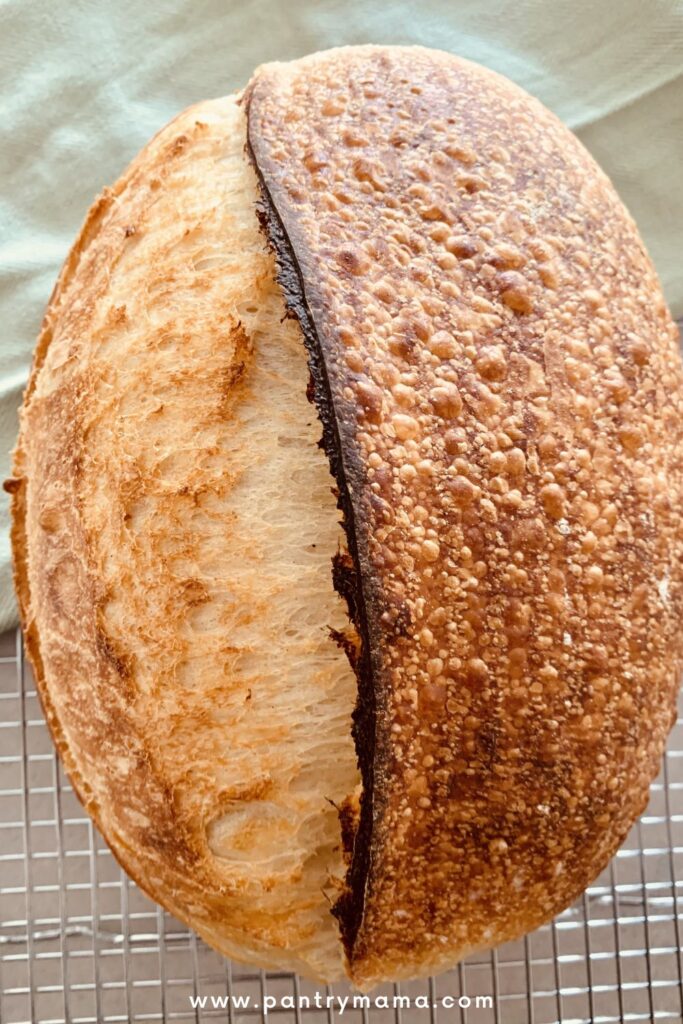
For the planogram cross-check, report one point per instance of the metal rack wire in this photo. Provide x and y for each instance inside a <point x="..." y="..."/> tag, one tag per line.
<point x="79" y="942"/>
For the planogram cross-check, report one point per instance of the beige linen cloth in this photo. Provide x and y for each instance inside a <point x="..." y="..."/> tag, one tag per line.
<point x="85" y="84"/>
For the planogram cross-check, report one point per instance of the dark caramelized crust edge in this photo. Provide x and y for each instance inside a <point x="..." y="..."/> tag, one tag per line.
<point x="351" y="576"/>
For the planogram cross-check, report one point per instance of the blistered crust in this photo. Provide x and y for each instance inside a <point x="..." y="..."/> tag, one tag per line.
<point x="503" y="392"/>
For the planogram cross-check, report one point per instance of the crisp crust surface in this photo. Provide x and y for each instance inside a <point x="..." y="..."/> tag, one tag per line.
<point x="500" y="375"/>
<point x="173" y="525"/>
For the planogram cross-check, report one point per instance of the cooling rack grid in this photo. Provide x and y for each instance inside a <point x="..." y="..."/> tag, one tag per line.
<point x="80" y="943"/>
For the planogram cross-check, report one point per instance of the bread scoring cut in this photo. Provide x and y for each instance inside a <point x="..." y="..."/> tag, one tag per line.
<point x="175" y="557"/>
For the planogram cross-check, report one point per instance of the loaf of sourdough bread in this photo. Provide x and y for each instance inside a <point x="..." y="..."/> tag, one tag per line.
<point x="347" y="516"/>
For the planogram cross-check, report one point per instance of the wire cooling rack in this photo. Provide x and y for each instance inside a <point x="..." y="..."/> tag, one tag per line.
<point x="80" y="943"/>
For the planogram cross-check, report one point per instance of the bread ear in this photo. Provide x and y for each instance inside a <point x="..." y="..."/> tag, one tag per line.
<point x="500" y="387"/>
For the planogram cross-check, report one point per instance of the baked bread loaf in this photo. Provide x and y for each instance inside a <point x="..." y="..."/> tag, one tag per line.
<point x="435" y="743"/>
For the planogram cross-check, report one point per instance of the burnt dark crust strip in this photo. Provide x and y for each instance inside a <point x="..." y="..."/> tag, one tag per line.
<point x="347" y="575"/>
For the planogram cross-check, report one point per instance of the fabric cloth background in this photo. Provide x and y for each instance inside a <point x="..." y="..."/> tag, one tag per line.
<point x="85" y="84"/>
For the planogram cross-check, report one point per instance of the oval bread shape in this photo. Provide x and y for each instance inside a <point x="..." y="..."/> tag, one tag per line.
<point x="499" y="387"/>
<point x="501" y="390"/>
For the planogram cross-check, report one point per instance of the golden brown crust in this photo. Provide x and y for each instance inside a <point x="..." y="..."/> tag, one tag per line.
<point x="82" y="609"/>
<point x="501" y="380"/>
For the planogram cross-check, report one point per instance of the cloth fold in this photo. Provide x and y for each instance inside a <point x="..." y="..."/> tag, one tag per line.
<point x="84" y="86"/>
